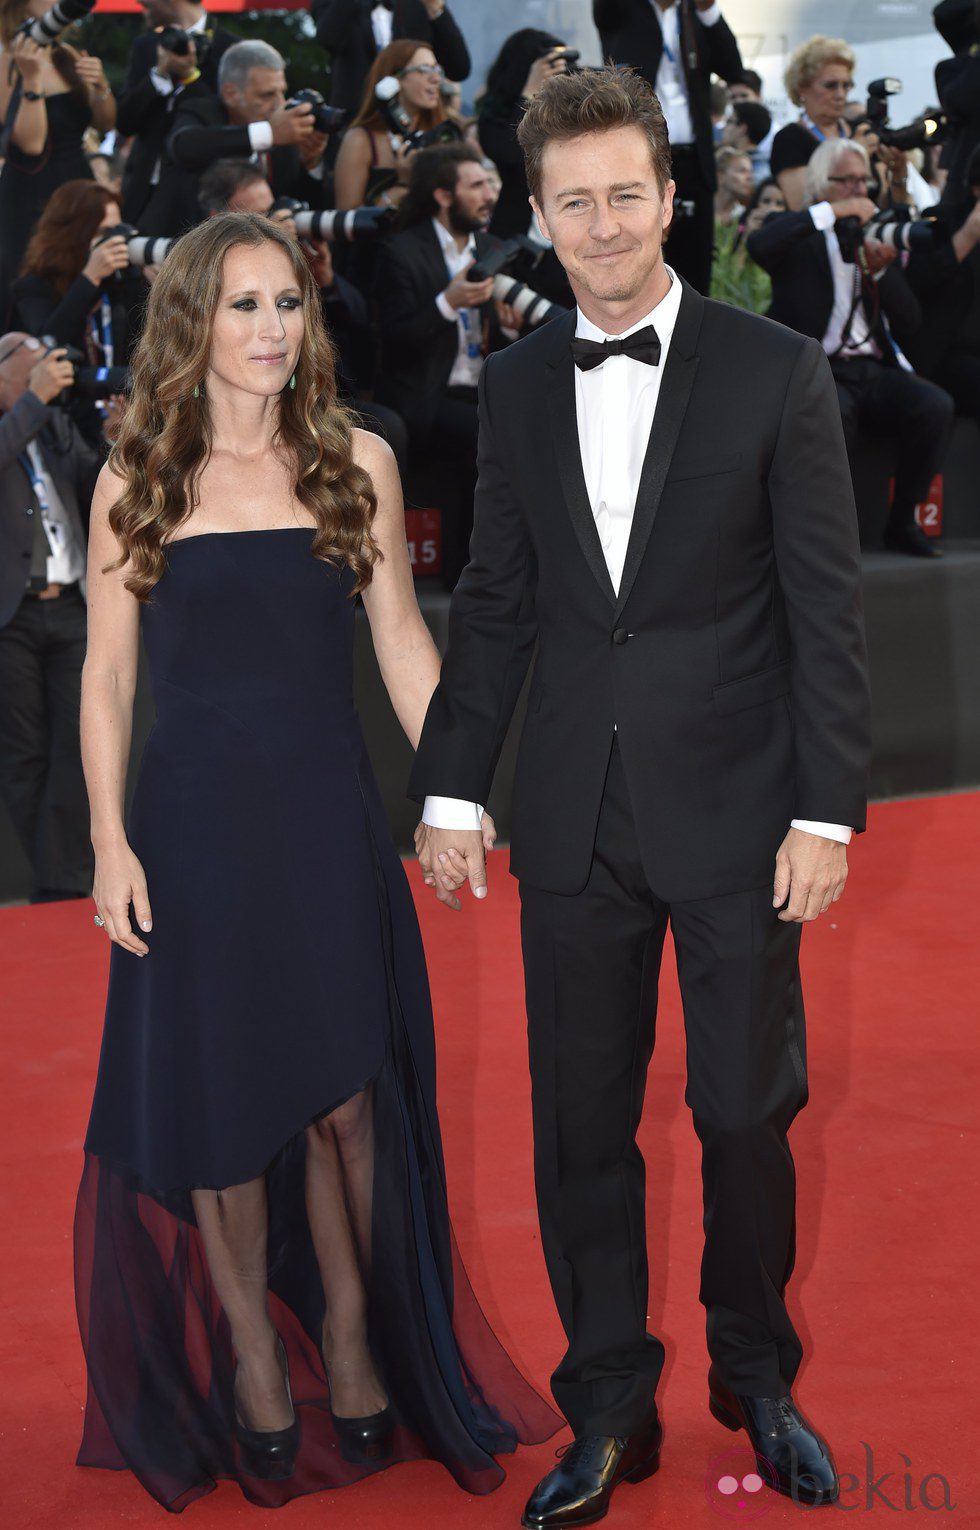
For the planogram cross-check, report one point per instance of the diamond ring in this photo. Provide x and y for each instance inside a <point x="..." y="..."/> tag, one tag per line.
<point x="100" y="921"/>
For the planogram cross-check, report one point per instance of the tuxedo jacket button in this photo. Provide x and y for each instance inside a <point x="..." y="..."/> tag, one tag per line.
<point x="621" y="635"/>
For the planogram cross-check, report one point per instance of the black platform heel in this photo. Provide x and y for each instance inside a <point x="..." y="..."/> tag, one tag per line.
<point x="270" y="1454"/>
<point x="363" y="1440"/>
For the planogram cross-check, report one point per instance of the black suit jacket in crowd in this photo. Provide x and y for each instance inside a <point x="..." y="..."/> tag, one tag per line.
<point x="74" y="466"/>
<point x="732" y="660"/>
<point x="419" y="346"/>
<point x="631" y="34"/>
<point x="794" y="252"/>
<point x="147" y="116"/>
<point x="344" y="28"/>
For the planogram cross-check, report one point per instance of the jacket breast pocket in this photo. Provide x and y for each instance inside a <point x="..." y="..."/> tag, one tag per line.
<point x="752" y="690"/>
<point x="703" y="466"/>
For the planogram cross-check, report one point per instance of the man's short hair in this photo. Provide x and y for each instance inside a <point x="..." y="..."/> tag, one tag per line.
<point x="752" y="80"/>
<point x="241" y="58"/>
<point x="823" y="163"/>
<point x="755" y="119"/>
<point x="592" y="101"/>
<point x="434" y="169"/>
<point x="221" y="180"/>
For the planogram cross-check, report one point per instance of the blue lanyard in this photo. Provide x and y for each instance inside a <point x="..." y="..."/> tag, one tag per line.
<point x="472" y="341"/>
<point x="105" y="324"/>
<point x="809" y="123"/>
<point x="37" y="483"/>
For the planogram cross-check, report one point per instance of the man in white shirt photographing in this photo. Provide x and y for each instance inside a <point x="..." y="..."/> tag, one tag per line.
<point x="664" y="510"/>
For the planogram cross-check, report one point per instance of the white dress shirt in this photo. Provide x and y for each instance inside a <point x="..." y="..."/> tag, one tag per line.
<point x="66" y="558"/>
<point x="847" y="287"/>
<point x="614" y="406"/>
<point x="671" y="84"/>
<point x="466" y="367"/>
<point x="382" y="24"/>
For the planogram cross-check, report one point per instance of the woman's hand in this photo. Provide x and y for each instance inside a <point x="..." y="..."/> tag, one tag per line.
<point x="541" y="70"/>
<point x="403" y="162"/>
<point x="489" y="832"/>
<point x="91" y="72"/>
<point x="29" y="56"/>
<point x="111" y="255"/>
<point x="119" y="882"/>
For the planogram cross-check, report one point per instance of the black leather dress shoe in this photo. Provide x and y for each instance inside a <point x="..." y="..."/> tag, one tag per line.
<point x="911" y="539"/>
<point x="579" y="1490"/>
<point x="790" y="1454"/>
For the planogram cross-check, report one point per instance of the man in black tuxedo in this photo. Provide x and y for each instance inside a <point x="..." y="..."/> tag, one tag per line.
<point x="248" y="118"/>
<point x="678" y="45"/>
<point x="668" y="516"/>
<point x="154" y="81"/>
<point x="354" y="31"/>
<point x="863" y="312"/>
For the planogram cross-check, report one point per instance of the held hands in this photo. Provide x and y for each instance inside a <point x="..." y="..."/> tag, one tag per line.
<point x="120" y="881"/>
<point x="811" y="872"/>
<point x="450" y="857"/>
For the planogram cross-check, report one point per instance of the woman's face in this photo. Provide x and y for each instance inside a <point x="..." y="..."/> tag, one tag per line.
<point x="258" y="326"/>
<point x="737" y="178"/>
<point x="826" y="95"/>
<point x="771" y="200"/>
<point x="418" y="87"/>
<point x="111" y="216"/>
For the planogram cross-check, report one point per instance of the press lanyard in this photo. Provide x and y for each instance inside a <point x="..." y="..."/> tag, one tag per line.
<point x="469" y="331"/>
<point x="106" y="341"/>
<point x="809" y="123"/>
<point x="54" y="530"/>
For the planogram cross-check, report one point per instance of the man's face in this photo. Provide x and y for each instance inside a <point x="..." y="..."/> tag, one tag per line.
<point x="604" y="211"/>
<point x="742" y="92"/>
<point x="734" y="134"/>
<point x="254" y="197"/>
<point x="737" y="179"/>
<point x="473" y="199"/>
<point x="263" y="93"/>
<point x="19" y="354"/>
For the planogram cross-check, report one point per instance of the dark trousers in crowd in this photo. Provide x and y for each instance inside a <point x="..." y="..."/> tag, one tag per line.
<point x="42" y="649"/>
<point x="918" y="416"/>
<point x="690" y="240"/>
<point x="959" y="374"/>
<point x="454" y="435"/>
<point x="592" y="964"/>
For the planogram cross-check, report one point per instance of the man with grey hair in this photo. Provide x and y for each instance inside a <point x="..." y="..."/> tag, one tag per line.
<point x="250" y="119"/>
<point x="832" y="279"/>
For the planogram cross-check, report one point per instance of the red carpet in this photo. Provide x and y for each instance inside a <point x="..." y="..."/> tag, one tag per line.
<point x="886" y="1149"/>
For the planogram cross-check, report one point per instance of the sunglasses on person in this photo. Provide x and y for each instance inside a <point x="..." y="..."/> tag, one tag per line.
<point x="427" y="69"/>
<point x="850" y="180"/>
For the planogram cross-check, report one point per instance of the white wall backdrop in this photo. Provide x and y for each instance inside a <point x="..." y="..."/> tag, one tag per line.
<point x="893" y="37"/>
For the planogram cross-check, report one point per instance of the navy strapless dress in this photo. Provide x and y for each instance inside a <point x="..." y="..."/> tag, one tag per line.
<point x="285" y="974"/>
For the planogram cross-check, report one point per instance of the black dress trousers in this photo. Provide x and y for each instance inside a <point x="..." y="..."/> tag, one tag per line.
<point x="592" y="964"/>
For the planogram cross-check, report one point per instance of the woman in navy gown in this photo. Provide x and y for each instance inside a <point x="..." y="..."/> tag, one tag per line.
<point x="267" y="1284"/>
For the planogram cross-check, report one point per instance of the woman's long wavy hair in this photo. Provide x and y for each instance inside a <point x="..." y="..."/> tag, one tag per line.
<point x="391" y="60"/>
<point x="165" y="438"/>
<point x="59" y="245"/>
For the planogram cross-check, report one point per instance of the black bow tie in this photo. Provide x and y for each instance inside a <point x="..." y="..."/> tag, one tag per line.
<point x="642" y="345"/>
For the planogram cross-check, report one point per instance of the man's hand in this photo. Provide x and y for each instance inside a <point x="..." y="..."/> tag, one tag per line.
<point x="312" y="149"/>
<point x="177" y="65"/>
<point x="811" y="872"/>
<point x="878" y="255"/>
<point x="462" y="293"/>
<point x="292" y="124"/>
<point x="450" y="857"/>
<point x="49" y="376"/>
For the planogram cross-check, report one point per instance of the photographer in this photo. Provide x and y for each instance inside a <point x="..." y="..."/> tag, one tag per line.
<point x="249" y="118"/>
<point x="155" y="77"/>
<point x="79" y="289"/>
<point x="946" y="281"/>
<point x="47" y="476"/>
<point x="832" y="279"/>
<point x="678" y="45"/>
<point x="958" y="84"/>
<point x="436" y="323"/>
<point x="374" y="162"/>
<point x="354" y="32"/>
<point x="234" y="185"/>
<point x="64" y="91"/>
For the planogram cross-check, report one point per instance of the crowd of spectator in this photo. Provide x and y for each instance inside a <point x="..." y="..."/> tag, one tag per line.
<point x="785" y="221"/>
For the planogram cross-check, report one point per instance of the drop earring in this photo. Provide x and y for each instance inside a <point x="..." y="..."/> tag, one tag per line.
<point x="292" y="381"/>
<point x="197" y="391"/>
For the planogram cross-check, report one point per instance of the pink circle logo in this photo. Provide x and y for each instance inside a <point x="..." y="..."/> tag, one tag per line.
<point x="739" y="1491"/>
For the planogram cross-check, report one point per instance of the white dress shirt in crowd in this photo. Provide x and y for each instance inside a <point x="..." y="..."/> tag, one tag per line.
<point x="847" y="287"/>
<point x="162" y="83"/>
<point x="671" y="84"/>
<point x="66" y="558"/>
<point x="466" y="367"/>
<point x="382" y="23"/>
<point x="614" y="405"/>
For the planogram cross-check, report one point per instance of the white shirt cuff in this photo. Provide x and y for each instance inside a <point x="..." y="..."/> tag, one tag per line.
<point x="451" y="813"/>
<point x="709" y="17"/>
<point x="838" y="831"/>
<point x="317" y="171"/>
<point x="260" y="135"/>
<point x="823" y="216"/>
<point x="447" y="310"/>
<point x="162" y="83"/>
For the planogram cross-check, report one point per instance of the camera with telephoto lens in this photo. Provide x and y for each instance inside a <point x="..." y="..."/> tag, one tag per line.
<point x="501" y="262"/>
<point x="352" y="226"/>
<point x="326" y="119"/>
<point x="178" y="40"/>
<point x="144" y="249"/>
<point x="532" y="307"/>
<point x="570" y="56"/>
<point x="930" y="128"/>
<point x="88" y="382"/>
<point x="398" y="121"/>
<point x="46" y="29"/>
<point x="894" y="227"/>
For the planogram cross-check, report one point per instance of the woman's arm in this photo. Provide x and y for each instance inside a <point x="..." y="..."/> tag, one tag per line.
<point x="352" y="169"/>
<point x="792" y="184"/>
<point x="30" y="129"/>
<point x="102" y="102"/>
<point x="108" y="687"/>
<point x="407" y="656"/>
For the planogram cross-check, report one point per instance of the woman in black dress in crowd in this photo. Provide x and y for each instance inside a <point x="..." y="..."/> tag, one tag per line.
<point x="819" y="79"/>
<point x="79" y="288"/>
<point x="65" y="91"/>
<point x="267" y="1284"/>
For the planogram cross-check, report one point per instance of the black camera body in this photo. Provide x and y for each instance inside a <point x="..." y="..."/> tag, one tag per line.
<point x="326" y="119"/>
<point x="925" y="130"/>
<point x="571" y="57"/>
<point x="46" y="29"/>
<point x="88" y="382"/>
<point x="353" y="225"/>
<point x="177" y="40"/>
<point x="894" y="227"/>
<point x="399" y="122"/>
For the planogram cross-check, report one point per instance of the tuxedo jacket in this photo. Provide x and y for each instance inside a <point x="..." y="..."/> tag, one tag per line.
<point x="147" y="116"/>
<point x="344" y="28"/>
<point x="418" y="345"/>
<point x="631" y="34"/>
<point x="732" y="660"/>
<point x="794" y="253"/>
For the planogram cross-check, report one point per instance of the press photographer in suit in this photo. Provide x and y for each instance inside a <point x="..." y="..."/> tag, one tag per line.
<point x="678" y="45"/>
<point x="664" y="509"/>
<point x="354" y="32"/>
